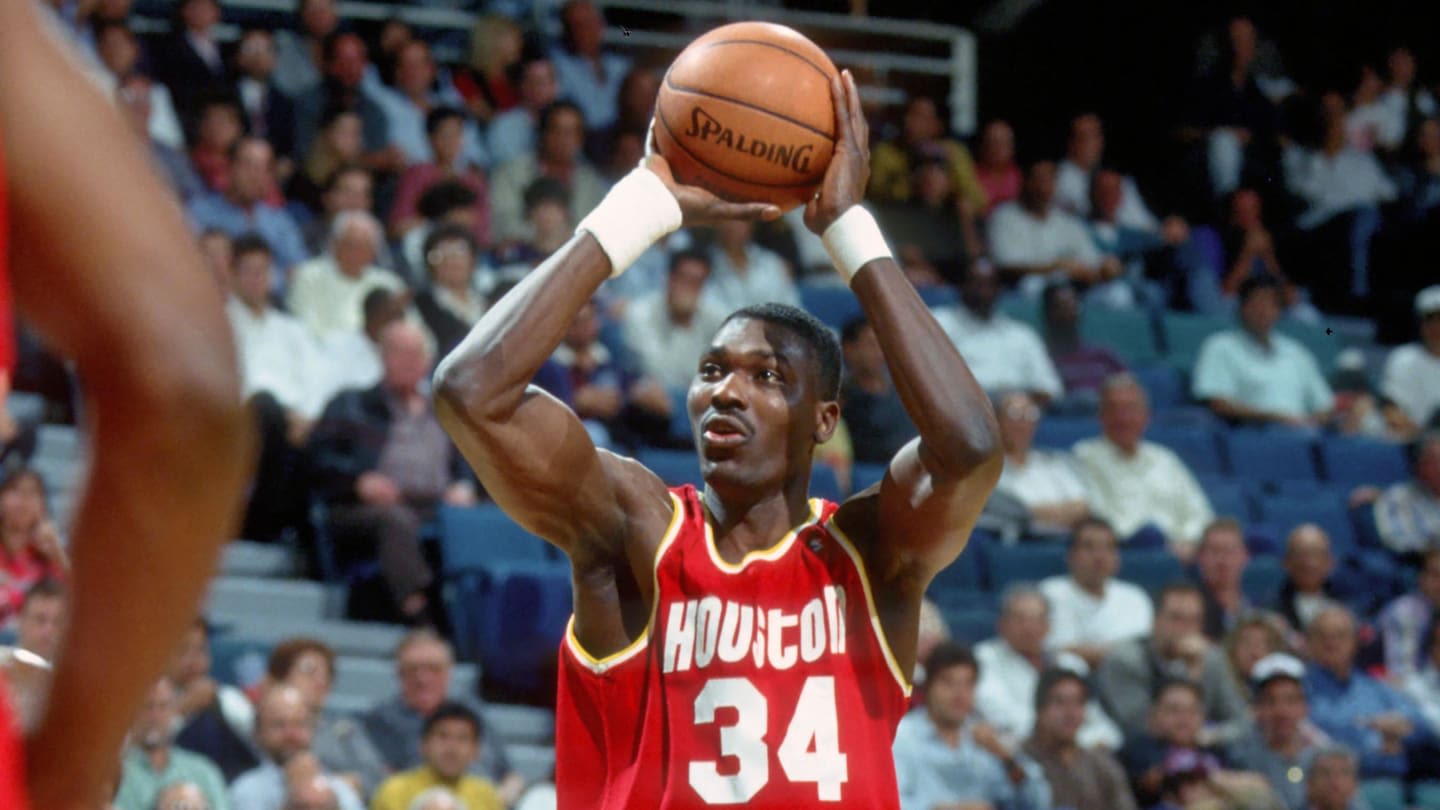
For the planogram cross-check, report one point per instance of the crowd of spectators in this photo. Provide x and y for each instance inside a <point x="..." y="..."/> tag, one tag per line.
<point x="361" y="206"/>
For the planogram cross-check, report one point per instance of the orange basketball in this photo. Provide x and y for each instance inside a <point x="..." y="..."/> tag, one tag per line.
<point x="745" y="111"/>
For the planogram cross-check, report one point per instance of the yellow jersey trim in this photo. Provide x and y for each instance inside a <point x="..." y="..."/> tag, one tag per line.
<point x="774" y="552"/>
<point x="601" y="665"/>
<point x="900" y="678"/>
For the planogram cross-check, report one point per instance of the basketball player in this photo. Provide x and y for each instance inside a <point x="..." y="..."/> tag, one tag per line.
<point x="105" y="270"/>
<point x="741" y="645"/>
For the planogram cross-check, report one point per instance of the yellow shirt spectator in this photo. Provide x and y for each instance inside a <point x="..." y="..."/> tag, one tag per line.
<point x="397" y="792"/>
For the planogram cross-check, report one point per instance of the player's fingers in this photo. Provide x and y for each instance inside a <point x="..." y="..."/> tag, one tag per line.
<point x="746" y="211"/>
<point x="858" y="127"/>
<point x="844" y="132"/>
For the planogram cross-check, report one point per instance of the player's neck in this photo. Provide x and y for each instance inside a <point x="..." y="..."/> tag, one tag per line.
<point x="744" y="524"/>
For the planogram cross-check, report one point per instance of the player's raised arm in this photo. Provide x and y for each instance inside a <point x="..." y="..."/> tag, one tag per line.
<point x="107" y="272"/>
<point x="530" y="451"/>
<point x="922" y="514"/>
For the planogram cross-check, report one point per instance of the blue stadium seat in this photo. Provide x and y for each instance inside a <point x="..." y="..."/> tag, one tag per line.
<point x="477" y="538"/>
<point x="1270" y="455"/>
<point x="1129" y="334"/>
<point x="970" y="625"/>
<point x="1312" y="336"/>
<point x="967" y="574"/>
<point x="825" y="484"/>
<point x="1261" y="580"/>
<point x="1024" y="562"/>
<point x="680" y="428"/>
<point x="1023" y="309"/>
<point x="938" y="295"/>
<point x="518" y="614"/>
<point x="237" y="661"/>
<point x="1197" y="447"/>
<point x="863" y="475"/>
<point x="1150" y="569"/>
<point x="1062" y="432"/>
<point x="1164" y="385"/>
<point x="1265" y="539"/>
<point x="1427" y="794"/>
<point x="1359" y="461"/>
<point x="1383" y="794"/>
<point x="834" y="304"/>
<point x="1286" y="512"/>
<point x="1185" y="332"/>
<point x="675" y="467"/>
<point x="1229" y="498"/>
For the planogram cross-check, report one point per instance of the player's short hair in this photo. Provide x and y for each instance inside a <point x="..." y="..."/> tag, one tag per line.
<point x="249" y="243"/>
<point x="453" y="710"/>
<point x="440" y="115"/>
<point x="1053" y="677"/>
<point x="288" y="653"/>
<point x="816" y="336"/>
<point x="1087" y="523"/>
<point x="948" y="655"/>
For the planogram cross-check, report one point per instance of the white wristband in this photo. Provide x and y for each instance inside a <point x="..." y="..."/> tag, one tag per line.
<point x="854" y="239"/>
<point x="638" y="212"/>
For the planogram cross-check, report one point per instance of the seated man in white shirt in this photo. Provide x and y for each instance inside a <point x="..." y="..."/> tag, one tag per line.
<point x="1003" y="353"/>
<point x="284" y="727"/>
<point x="283" y="381"/>
<point x="1010" y="667"/>
<point x="666" y="329"/>
<point x="1032" y="239"/>
<point x="1091" y="610"/>
<point x="1256" y="375"/>
<point x="326" y="291"/>
<point x="1134" y="483"/>
<point x="1411" y="383"/>
<point x="1084" y="151"/>
<point x="1047" y="482"/>
<point x="743" y="273"/>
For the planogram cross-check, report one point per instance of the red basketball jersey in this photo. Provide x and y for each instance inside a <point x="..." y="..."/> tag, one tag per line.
<point x="763" y="684"/>
<point x="12" y="761"/>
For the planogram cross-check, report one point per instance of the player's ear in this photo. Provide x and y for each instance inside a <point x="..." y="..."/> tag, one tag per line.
<point x="827" y="418"/>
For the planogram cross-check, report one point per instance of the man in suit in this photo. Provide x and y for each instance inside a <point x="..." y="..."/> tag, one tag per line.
<point x="190" y="61"/>
<point x="268" y="112"/>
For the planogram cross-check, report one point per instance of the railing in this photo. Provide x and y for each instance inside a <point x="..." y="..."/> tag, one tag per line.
<point x="957" y="68"/>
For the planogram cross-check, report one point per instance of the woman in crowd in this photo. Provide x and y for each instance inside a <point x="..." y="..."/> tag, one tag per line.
<point x="30" y="547"/>
<point x="449" y="304"/>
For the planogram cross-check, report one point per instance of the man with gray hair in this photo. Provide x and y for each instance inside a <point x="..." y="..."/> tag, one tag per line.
<point x="1010" y="667"/>
<point x="1334" y="781"/>
<point x="1136" y="484"/>
<point x="1373" y="718"/>
<point x="152" y="761"/>
<point x="383" y="464"/>
<point x="326" y="291"/>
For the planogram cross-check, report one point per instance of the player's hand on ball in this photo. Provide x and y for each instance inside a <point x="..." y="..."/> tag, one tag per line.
<point x="849" y="170"/>
<point x="698" y="206"/>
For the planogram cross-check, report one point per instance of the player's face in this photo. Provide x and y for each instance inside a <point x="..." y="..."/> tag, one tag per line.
<point x="1279" y="709"/>
<point x="950" y="695"/>
<point x="450" y="747"/>
<point x="754" y="405"/>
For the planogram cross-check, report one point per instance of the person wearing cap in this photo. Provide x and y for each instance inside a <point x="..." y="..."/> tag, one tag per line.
<point x="1080" y="778"/>
<point x="1371" y="717"/>
<point x="1176" y="647"/>
<point x="1284" y="739"/>
<point x="1255" y="375"/>
<point x="1411" y="380"/>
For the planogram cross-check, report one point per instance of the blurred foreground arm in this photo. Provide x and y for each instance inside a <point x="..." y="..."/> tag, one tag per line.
<point x="106" y="271"/>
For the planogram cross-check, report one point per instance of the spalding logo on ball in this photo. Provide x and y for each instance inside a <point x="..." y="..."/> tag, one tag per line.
<point x="745" y="111"/>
